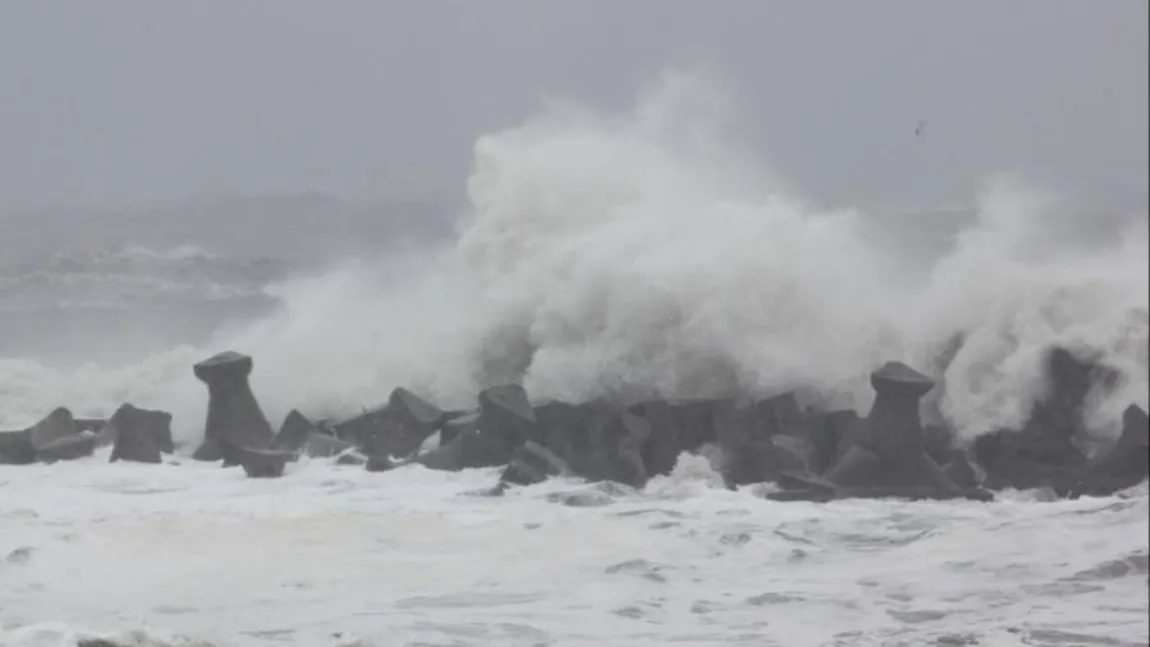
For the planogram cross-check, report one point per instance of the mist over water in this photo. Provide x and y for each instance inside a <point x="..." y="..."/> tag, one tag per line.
<point x="647" y="254"/>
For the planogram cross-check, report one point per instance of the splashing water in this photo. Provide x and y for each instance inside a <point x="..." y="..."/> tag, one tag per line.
<point x="645" y="254"/>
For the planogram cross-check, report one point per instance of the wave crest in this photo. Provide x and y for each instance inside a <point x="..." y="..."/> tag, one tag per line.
<point x="644" y="254"/>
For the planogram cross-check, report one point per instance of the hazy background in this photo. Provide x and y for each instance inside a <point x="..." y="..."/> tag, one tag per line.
<point x="136" y="102"/>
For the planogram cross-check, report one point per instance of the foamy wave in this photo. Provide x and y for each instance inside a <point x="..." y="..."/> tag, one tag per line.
<point x="642" y="254"/>
<point x="335" y="556"/>
<point x="28" y="389"/>
<point x="1011" y="295"/>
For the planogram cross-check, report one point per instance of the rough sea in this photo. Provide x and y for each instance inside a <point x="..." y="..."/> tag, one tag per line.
<point x="591" y="255"/>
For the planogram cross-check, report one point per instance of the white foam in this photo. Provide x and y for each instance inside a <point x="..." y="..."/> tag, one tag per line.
<point x="90" y="390"/>
<point x="197" y="552"/>
<point x="1013" y="293"/>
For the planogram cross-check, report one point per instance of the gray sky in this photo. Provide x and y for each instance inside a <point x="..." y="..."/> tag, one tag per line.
<point x="117" y="101"/>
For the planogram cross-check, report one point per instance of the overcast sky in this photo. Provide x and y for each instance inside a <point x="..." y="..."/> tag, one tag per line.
<point x="116" y="101"/>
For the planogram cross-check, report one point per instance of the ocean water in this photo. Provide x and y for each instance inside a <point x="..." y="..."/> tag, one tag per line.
<point x="595" y="254"/>
<point x="195" y="555"/>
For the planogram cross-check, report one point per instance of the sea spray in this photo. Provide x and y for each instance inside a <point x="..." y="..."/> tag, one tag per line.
<point x="645" y="254"/>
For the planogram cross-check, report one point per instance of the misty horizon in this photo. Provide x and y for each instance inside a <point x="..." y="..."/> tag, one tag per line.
<point x="133" y="104"/>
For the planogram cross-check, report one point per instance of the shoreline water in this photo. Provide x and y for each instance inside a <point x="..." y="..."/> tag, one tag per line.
<point x="410" y="557"/>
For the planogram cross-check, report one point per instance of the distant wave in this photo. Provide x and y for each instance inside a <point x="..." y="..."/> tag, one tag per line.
<point x="178" y="253"/>
<point x="131" y="276"/>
